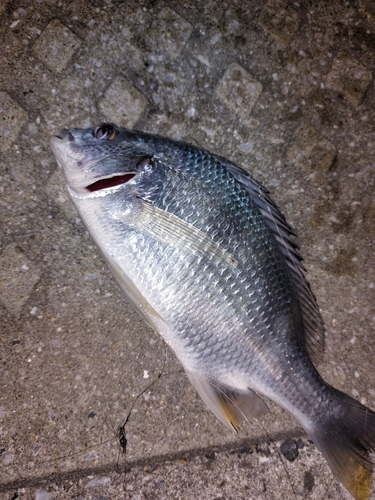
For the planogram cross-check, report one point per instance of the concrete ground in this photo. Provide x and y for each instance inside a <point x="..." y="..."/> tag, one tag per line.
<point x="284" y="89"/>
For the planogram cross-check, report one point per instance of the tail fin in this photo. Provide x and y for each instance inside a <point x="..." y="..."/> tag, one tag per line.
<point x="345" y="437"/>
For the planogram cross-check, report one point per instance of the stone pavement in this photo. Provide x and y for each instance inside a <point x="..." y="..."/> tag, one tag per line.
<point x="284" y="89"/>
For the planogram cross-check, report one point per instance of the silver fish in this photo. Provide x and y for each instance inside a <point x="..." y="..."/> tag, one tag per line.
<point x="207" y="259"/>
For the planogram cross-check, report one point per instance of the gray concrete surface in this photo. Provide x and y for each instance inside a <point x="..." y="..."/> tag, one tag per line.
<point x="284" y="89"/>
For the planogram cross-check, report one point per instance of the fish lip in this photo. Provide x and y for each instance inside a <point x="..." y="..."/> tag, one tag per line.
<point x="59" y="147"/>
<point x="65" y="135"/>
<point x="56" y="142"/>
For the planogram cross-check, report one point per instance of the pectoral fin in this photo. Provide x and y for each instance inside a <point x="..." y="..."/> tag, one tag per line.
<point x="171" y="230"/>
<point x="230" y="407"/>
<point x="147" y="312"/>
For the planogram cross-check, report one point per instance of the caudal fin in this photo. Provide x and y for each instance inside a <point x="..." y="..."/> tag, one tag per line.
<point x="346" y="436"/>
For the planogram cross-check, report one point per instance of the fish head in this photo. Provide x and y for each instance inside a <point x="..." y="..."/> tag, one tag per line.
<point x="101" y="158"/>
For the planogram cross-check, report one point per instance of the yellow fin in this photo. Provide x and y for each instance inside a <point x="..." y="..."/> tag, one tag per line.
<point x="230" y="406"/>
<point x="346" y="437"/>
<point x="360" y="486"/>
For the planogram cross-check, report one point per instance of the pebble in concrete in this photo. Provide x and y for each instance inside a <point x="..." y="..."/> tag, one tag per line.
<point x="42" y="495"/>
<point x="280" y="21"/>
<point x="56" y="45"/>
<point x="17" y="278"/>
<point x="122" y="103"/>
<point x="94" y="482"/>
<point x="311" y="152"/>
<point x="12" y="119"/>
<point x="169" y="32"/>
<point x="239" y="90"/>
<point x="349" y="77"/>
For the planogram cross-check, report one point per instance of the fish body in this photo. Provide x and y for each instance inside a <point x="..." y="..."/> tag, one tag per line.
<point x="208" y="260"/>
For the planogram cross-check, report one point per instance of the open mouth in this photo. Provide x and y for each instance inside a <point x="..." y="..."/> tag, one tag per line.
<point x="117" y="180"/>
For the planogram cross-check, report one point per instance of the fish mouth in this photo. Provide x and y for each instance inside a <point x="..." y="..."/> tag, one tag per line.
<point x="110" y="182"/>
<point x="68" y="163"/>
<point x="59" y="147"/>
<point x="65" y="135"/>
<point x="118" y="179"/>
<point x="58" y="140"/>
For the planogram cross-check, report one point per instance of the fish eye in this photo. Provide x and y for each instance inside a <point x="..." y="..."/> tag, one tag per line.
<point x="104" y="131"/>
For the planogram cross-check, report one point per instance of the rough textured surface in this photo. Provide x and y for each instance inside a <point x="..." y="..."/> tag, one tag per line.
<point x="239" y="90"/>
<point x="168" y="33"/>
<point x="122" y="103"/>
<point x="56" y="45"/>
<point x="280" y="20"/>
<point x="247" y="472"/>
<point x="17" y="279"/>
<point x="349" y="78"/>
<point x="12" y="117"/>
<point x="285" y="90"/>
<point x="312" y="153"/>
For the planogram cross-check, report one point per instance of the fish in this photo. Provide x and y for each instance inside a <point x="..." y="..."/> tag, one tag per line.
<point x="208" y="260"/>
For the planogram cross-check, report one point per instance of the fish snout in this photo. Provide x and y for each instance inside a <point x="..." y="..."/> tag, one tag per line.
<point x="67" y="135"/>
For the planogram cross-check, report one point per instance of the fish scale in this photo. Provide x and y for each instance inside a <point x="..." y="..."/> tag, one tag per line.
<point x="208" y="260"/>
<point x="187" y="195"/>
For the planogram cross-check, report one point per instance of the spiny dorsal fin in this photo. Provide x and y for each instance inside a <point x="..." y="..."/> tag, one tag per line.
<point x="312" y="338"/>
<point x="230" y="406"/>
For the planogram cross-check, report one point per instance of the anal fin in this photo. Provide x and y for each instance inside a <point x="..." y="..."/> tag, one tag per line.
<point x="230" y="406"/>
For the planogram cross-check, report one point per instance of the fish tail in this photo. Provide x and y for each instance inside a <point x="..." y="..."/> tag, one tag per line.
<point x="346" y="435"/>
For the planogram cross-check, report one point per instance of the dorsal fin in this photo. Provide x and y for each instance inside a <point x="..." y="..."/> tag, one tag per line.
<point x="312" y="338"/>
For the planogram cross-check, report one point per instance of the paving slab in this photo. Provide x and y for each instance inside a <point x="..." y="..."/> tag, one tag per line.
<point x="239" y="90"/>
<point x="168" y="33"/>
<point x="311" y="152"/>
<point x="284" y="89"/>
<point x="56" y="45"/>
<point x="122" y="103"/>
<point x="280" y="20"/>
<point x="349" y="77"/>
